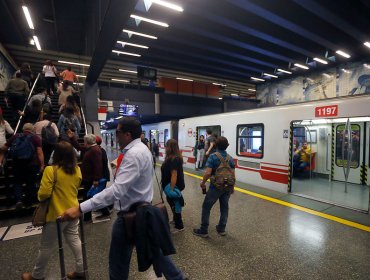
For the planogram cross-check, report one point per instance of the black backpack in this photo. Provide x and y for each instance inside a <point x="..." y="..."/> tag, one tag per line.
<point x="22" y="147"/>
<point x="48" y="135"/>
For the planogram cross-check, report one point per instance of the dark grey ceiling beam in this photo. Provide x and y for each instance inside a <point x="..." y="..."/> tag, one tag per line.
<point x="116" y="17"/>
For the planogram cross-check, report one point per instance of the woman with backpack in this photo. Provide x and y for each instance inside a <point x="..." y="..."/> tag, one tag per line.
<point x="173" y="181"/>
<point x="60" y="183"/>
<point x="66" y="121"/>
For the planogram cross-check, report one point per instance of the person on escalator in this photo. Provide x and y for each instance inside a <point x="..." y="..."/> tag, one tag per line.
<point x="16" y="91"/>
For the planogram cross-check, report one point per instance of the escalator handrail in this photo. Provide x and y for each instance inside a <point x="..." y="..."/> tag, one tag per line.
<point x="28" y="99"/>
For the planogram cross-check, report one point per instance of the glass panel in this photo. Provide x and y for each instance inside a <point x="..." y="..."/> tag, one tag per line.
<point x="250" y="143"/>
<point x="355" y="158"/>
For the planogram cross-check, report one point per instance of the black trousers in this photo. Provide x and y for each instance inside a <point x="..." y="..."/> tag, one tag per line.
<point x="177" y="217"/>
<point x="25" y="173"/>
<point x="50" y="84"/>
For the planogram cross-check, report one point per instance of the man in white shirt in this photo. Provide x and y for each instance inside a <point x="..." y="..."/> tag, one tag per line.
<point x="133" y="183"/>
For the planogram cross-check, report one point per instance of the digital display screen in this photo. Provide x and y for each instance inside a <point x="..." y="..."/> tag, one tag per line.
<point x="146" y="73"/>
<point x="128" y="110"/>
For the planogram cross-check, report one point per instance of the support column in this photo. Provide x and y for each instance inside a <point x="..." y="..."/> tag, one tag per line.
<point x="89" y="100"/>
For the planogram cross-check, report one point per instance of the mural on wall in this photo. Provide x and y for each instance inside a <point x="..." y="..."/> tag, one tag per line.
<point x="6" y="71"/>
<point x="352" y="79"/>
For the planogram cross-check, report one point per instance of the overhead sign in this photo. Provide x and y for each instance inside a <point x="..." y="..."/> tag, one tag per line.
<point x="326" y="111"/>
<point x="190" y="132"/>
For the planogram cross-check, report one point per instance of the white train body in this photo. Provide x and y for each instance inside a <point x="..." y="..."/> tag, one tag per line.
<point x="161" y="132"/>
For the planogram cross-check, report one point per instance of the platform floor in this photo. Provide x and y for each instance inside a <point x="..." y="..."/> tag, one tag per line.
<point x="265" y="240"/>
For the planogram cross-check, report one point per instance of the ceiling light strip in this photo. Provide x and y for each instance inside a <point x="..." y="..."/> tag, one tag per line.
<point x="342" y="53"/>
<point x="28" y="17"/>
<point x="128" y="71"/>
<point x="251" y="89"/>
<point x="126" y="53"/>
<point x="73" y="63"/>
<point x="139" y="34"/>
<point x="320" y="60"/>
<point x="270" y="75"/>
<point x="367" y="44"/>
<point x="301" y="66"/>
<point x="284" y="71"/>
<point x="168" y="5"/>
<point x="37" y="43"/>
<point x="184" y="79"/>
<point x="81" y="76"/>
<point x="257" y="79"/>
<point x="156" y="22"/>
<point x="119" y="80"/>
<point x="131" y="44"/>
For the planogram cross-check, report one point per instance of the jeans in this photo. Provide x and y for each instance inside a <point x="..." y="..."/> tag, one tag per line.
<point x="48" y="246"/>
<point x="212" y="196"/>
<point x="120" y="256"/>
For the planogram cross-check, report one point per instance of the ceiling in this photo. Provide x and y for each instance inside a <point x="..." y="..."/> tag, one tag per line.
<point x="223" y="41"/>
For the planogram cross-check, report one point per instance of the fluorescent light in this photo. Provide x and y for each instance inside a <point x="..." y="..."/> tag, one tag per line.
<point x="301" y="66"/>
<point x="320" y="60"/>
<point x="367" y="44"/>
<point x="80" y="84"/>
<point x="139" y="34"/>
<point x="367" y="66"/>
<point x="220" y="98"/>
<point x="119" y="80"/>
<point x="234" y="94"/>
<point x="37" y="43"/>
<point x="73" y="63"/>
<point x="128" y="71"/>
<point x="81" y="76"/>
<point x="184" y="79"/>
<point x="342" y="53"/>
<point x="257" y="79"/>
<point x="32" y="42"/>
<point x="168" y="5"/>
<point x="160" y="23"/>
<point x="284" y="71"/>
<point x="251" y="89"/>
<point x="133" y="45"/>
<point x="28" y="17"/>
<point x="270" y="75"/>
<point x="126" y="53"/>
<point x="218" y="84"/>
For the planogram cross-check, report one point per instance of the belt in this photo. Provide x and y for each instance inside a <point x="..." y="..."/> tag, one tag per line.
<point x="133" y="208"/>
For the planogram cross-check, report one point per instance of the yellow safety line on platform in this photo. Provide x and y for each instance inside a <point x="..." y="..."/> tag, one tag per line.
<point x="300" y="208"/>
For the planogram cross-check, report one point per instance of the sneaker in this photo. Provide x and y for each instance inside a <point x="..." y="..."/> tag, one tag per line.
<point x="220" y="232"/>
<point x="199" y="232"/>
<point x="176" y="230"/>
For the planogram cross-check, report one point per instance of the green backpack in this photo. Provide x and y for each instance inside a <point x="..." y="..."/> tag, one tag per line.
<point x="224" y="178"/>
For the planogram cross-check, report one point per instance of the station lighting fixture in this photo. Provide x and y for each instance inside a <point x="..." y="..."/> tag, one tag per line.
<point x="220" y="98"/>
<point x="32" y="42"/>
<point x="270" y="75"/>
<point x="342" y="53"/>
<point x="234" y="94"/>
<point x="139" y="34"/>
<point x="28" y="17"/>
<point x="126" y="53"/>
<point x="320" y="60"/>
<point x="160" y="23"/>
<point x="184" y="79"/>
<point x="257" y="79"/>
<point x="284" y="71"/>
<point x="218" y="84"/>
<point x="301" y="66"/>
<point x="37" y="43"/>
<point x="131" y="44"/>
<point x="81" y="76"/>
<point x="119" y="80"/>
<point x="367" y="44"/>
<point x="168" y="5"/>
<point x="128" y="71"/>
<point x="251" y="89"/>
<point x="73" y="63"/>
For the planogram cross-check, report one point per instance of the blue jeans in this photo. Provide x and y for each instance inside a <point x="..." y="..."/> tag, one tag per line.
<point x="212" y="196"/>
<point x="120" y="256"/>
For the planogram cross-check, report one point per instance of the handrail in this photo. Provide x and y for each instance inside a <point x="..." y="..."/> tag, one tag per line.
<point x="347" y="170"/>
<point x="25" y="105"/>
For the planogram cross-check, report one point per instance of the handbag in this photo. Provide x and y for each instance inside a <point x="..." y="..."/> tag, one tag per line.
<point x="130" y="216"/>
<point x="39" y="216"/>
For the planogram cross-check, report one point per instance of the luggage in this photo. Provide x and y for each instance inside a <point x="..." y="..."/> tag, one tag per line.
<point x="61" y="250"/>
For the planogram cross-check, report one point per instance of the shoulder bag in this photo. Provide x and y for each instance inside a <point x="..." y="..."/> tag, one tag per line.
<point x="39" y="216"/>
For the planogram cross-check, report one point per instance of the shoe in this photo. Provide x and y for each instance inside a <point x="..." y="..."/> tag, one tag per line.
<point x="76" y="275"/>
<point x="176" y="230"/>
<point x="19" y="205"/>
<point x="220" y="232"/>
<point x="28" y="276"/>
<point x="199" y="232"/>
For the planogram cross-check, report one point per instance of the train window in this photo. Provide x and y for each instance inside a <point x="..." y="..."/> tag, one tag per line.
<point x="355" y="159"/>
<point x="250" y="140"/>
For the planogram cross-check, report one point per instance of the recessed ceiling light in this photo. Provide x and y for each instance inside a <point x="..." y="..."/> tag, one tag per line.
<point x="251" y="89"/>
<point x="320" y="60"/>
<point x="160" y="23"/>
<point x="139" y="34"/>
<point x="270" y="75"/>
<point x="301" y="66"/>
<point x="73" y="63"/>
<point x="28" y="17"/>
<point x="32" y="42"/>
<point x="126" y="53"/>
<point x="367" y="44"/>
<point x="342" y="53"/>
<point x="128" y="71"/>
<point x="284" y="71"/>
<point x="37" y="43"/>
<point x="184" y="79"/>
<point x="168" y="5"/>
<point x="119" y="80"/>
<point x="131" y="44"/>
<point x="257" y="79"/>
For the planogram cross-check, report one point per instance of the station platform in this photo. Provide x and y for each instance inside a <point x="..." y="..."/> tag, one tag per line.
<point x="269" y="236"/>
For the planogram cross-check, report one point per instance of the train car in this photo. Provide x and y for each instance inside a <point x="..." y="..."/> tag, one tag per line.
<point x="161" y="132"/>
<point x="264" y="142"/>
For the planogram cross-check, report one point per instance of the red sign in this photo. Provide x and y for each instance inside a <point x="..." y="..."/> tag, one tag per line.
<point x="190" y="132"/>
<point x="326" y="111"/>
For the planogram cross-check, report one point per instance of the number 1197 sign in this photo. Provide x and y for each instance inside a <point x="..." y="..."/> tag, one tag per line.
<point x="326" y="111"/>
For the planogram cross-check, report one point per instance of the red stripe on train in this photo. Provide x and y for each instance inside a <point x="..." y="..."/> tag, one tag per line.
<point x="274" y="169"/>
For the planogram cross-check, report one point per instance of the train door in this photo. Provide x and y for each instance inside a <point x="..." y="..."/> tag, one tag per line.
<point x="367" y="155"/>
<point x="153" y="135"/>
<point x="201" y="130"/>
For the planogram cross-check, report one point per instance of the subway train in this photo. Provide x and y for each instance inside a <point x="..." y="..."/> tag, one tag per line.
<point x="263" y="143"/>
